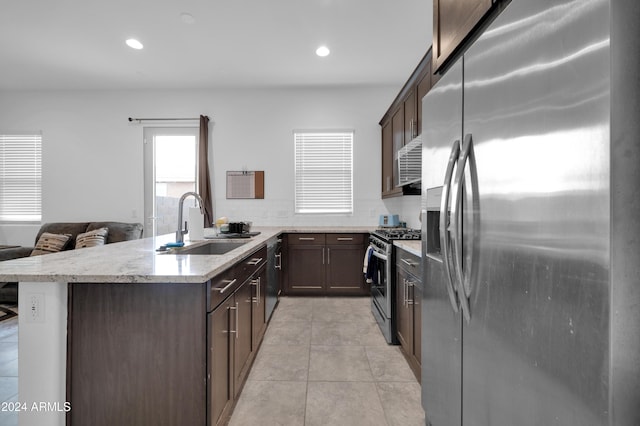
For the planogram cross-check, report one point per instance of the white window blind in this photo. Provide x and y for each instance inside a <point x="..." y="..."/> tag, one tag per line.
<point x="324" y="171"/>
<point x="20" y="178"/>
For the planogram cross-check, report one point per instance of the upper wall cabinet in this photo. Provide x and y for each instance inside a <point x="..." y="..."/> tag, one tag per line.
<point x="401" y="123"/>
<point x="453" y="21"/>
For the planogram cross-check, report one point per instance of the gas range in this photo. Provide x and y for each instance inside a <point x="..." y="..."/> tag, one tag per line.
<point x="389" y="234"/>
<point x="382" y="288"/>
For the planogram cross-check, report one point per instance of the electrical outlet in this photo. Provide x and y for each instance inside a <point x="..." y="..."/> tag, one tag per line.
<point x="36" y="307"/>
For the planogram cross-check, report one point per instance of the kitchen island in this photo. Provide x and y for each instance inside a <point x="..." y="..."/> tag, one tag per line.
<point x="84" y="312"/>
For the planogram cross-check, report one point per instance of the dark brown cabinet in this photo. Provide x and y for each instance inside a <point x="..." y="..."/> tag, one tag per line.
<point x="400" y="125"/>
<point x="306" y="263"/>
<point x="259" y="324"/>
<point x="181" y="352"/>
<point x="453" y="20"/>
<point x="388" y="164"/>
<point x="397" y="125"/>
<point x="408" y="307"/>
<point x="325" y="264"/>
<point x="404" y="310"/>
<point x="411" y="115"/>
<point x="422" y="88"/>
<point x="242" y="335"/>
<point x="345" y="254"/>
<point x="221" y="323"/>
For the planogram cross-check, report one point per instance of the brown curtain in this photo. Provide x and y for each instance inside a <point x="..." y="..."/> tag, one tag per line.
<point x="204" y="180"/>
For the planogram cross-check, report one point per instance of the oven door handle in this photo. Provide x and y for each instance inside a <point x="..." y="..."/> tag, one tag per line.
<point x="380" y="256"/>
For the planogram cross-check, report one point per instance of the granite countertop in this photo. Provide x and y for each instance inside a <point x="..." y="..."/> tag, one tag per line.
<point x="412" y="246"/>
<point x="138" y="262"/>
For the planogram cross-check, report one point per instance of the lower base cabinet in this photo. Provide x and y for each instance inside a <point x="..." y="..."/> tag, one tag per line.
<point x="408" y="287"/>
<point x="242" y="336"/>
<point x="220" y="362"/>
<point x="325" y="264"/>
<point x="258" y="310"/>
<point x="230" y="351"/>
<point x="164" y="354"/>
<point x="236" y="328"/>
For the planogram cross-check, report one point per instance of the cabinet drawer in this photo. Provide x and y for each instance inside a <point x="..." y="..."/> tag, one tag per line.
<point x="250" y="264"/>
<point x="408" y="262"/>
<point x="346" y="238"/>
<point x="223" y="286"/>
<point x="306" y="239"/>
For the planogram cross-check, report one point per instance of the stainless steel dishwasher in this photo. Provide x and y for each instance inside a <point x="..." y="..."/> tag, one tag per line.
<point x="274" y="268"/>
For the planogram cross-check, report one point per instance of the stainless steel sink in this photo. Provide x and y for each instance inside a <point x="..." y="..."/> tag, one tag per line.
<point x="210" y="247"/>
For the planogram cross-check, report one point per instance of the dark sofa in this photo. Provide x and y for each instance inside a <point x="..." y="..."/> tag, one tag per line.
<point x="118" y="231"/>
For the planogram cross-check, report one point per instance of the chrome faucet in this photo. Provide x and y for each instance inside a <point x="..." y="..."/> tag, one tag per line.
<point x="180" y="232"/>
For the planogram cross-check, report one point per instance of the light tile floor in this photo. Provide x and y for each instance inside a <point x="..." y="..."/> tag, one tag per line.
<point x="324" y="362"/>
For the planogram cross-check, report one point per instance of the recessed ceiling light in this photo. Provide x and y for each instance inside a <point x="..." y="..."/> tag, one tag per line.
<point x="322" y="51"/>
<point x="187" y="18"/>
<point x="134" y="44"/>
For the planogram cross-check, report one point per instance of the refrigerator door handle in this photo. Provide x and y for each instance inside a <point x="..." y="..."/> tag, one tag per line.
<point x="467" y="274"/>
<point x="444" y="224"/>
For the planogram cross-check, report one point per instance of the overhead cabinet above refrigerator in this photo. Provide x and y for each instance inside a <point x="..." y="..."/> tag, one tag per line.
<point x="531" y="222"/>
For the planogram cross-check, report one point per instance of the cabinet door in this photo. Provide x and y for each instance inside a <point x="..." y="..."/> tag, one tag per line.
<point x="387" y="158"/>
<point x="404" y="312"/>
<point x="306" y="269"/>
<point x="220" y="362"/>
<point x="417" y="325"/>
<point x="242" y="342"/>
<point x="410" y="116"/>
<point x="424" y="85"/>
<point x="453" y="20"/>
<point x="397" y="127"/>
<point x="258" y="298"/>
<point x="344" y="269"/>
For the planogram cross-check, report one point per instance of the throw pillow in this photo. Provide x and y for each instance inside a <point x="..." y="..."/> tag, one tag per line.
<point x="97" y="237"/>
<point x="50" y="243"/>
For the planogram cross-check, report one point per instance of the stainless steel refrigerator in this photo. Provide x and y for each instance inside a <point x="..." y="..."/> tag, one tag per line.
<point x="531" y="221"/>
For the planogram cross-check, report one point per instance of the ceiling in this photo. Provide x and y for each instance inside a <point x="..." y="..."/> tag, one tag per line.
<point x="79" y="44"/>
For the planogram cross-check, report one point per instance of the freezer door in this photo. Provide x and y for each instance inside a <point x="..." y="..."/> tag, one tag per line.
<point x="441" y="321"/>
<point x="536" y="104"/>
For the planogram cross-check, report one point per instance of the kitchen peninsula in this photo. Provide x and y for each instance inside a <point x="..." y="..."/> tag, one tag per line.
<point x="120" y="332"/>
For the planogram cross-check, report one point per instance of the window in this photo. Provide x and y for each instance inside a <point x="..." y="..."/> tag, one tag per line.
<point x="20" y="178"/>
<point x="324" y="177"/>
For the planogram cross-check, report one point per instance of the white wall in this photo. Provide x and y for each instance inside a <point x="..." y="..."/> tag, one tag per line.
<point x="92" y="156"/>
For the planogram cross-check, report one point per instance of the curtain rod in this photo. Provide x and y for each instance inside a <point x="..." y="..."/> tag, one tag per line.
<point x="140" y="120"/>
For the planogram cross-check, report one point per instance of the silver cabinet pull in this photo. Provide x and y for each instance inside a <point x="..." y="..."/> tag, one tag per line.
<point x="409" y="262"/>
<point x="345" y="238"/>
<point x="404" y="292"/>
<point x="323" y="255"/>
<point x="257" y="283"/>
<point x="306" y="238"/>
<point x="237" y="319"/>
<point x="259" y="289"/>
<point x="278" y="264"/>
<point x="254" y="261"/>
<point x="409" y="284"/>
<point x="328" y="256"/>
<point x="234" y="308"/>
<point x="225" y="288"/>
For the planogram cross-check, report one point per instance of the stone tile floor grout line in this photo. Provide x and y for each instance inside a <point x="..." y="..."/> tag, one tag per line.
<point x="340" y="385"/>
